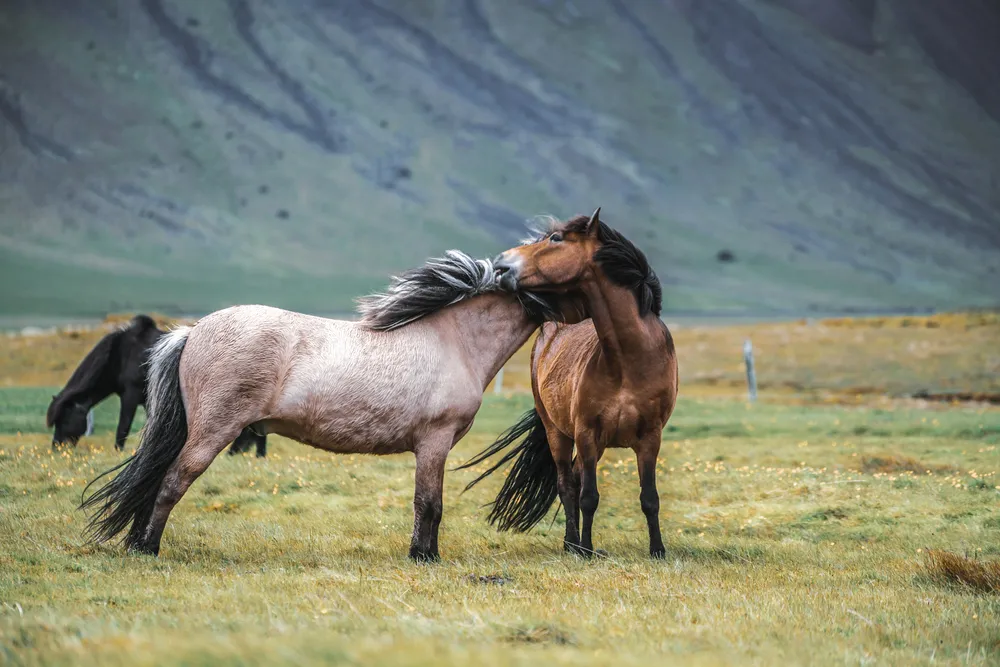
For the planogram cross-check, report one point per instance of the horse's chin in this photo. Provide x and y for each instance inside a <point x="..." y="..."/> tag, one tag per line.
<point x="507" y="282"/>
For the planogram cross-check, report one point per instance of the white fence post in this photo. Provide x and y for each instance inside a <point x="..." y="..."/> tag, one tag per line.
<point x="498" y="383"/>
<point x="751" y="373"/>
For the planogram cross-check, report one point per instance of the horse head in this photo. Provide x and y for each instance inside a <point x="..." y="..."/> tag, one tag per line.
<point x="71" y="424"/>
<point x="559" y="259"/>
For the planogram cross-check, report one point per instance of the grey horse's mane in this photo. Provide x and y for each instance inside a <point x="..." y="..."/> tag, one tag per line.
<point x="439" y="283"/>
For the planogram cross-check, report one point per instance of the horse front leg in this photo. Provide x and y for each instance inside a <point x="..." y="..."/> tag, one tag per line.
<point x="589" y="497"/>
<point x="646" y="453"/>
<point x="129" y="402"/>
<point x="428" y="505"/>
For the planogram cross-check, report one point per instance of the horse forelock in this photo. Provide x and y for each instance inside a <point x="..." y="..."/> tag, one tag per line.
<point x="539" y="227"/>
<point x="439" y="283"/>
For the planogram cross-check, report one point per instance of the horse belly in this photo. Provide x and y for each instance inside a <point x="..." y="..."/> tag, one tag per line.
<point x="342" y="413"/>
<point x="343" y="438"/>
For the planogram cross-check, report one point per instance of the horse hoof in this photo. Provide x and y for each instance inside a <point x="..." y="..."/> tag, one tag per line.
<point x="578" y="550"/>
<point x="658" y="554"/>
<point x="143" y="550"/>
<point x="424" y="556"/>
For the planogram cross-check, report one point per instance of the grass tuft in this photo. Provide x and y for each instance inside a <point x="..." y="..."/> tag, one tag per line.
<point x="889" y="464"/>
<point x="950" y="568"/>
<point x="540" y="634"/>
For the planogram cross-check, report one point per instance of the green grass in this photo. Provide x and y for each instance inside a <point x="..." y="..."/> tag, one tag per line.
<point x="780" y="550"/>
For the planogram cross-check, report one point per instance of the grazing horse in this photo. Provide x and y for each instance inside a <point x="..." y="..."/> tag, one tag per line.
<point x="116" y="365"/>
<point x="610" y="381"/>
<point x="407" y="377"/>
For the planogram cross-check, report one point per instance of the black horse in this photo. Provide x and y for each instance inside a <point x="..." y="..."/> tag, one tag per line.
<point x="117" y="365"/>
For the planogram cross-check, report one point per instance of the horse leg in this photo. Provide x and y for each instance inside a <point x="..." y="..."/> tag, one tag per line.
<point x="589" y="497"/>
<point x="646" y="453"/>
<point x="241" y="443"/>
<point x="198" y="453"/>
<point x="561" y="447"/>
<point x="129" y="402"/>
<point x="427" y="497"/>
<point x="261" y="445"/>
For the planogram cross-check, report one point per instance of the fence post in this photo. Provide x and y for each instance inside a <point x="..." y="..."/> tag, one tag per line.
<point x="751" y="373"/>
<point x="498" y="383"/>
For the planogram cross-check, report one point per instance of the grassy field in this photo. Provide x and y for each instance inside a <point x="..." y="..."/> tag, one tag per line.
<point x="797" y="531"/>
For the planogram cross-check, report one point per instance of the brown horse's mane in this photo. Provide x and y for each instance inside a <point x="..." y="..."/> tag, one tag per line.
<point x="623" y="263"/>
<point x="439" y="283"/>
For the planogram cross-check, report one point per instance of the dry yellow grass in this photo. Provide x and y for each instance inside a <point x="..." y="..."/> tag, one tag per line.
<point x="834" y="360"/>
<point x="48" y="359"/>
<point x="978" y="575"/>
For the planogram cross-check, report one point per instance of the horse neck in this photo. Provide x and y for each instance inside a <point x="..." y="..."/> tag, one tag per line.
<point x="614" y="310"/>
<point x="488" y="330"/>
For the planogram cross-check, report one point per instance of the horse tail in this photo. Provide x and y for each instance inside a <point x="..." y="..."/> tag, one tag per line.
<point x="84" y="377"/>
<point x="130" y="497"/>
<point x="530" y="488"/>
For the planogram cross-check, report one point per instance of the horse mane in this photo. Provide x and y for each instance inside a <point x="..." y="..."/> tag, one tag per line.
<point x="623" y="263"/>
<point x="441" y="282"/>
<point x="90" y="369"/>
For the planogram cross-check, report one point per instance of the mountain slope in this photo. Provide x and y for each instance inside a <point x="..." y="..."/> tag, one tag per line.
<point x="184" y="155"/>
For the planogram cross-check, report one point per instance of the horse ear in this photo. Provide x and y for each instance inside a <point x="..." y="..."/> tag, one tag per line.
<point x="594" y="223"/>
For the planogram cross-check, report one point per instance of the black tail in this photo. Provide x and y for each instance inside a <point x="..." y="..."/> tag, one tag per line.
<point x="130" y="497"/>
<point x="530" y="488"/>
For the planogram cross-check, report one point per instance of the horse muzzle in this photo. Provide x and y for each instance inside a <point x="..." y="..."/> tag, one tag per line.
<point x="507" y="272"/>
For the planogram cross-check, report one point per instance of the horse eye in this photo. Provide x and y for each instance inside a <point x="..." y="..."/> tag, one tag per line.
<point x="556" y="238"/>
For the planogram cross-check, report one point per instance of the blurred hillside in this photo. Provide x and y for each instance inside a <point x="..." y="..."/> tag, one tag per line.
<point x="182" y="155"/>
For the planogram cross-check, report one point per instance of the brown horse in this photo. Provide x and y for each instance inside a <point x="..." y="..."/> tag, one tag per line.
<point x="606" y="382"/>
<point x="409" y="376"/>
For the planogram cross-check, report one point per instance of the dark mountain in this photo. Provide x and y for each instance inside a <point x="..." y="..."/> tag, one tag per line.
<point x="767" y="154"/>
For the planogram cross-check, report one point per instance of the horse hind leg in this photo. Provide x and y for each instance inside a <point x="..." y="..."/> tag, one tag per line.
<point x="561" y="447"/>
<point x="198" y="452"/>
